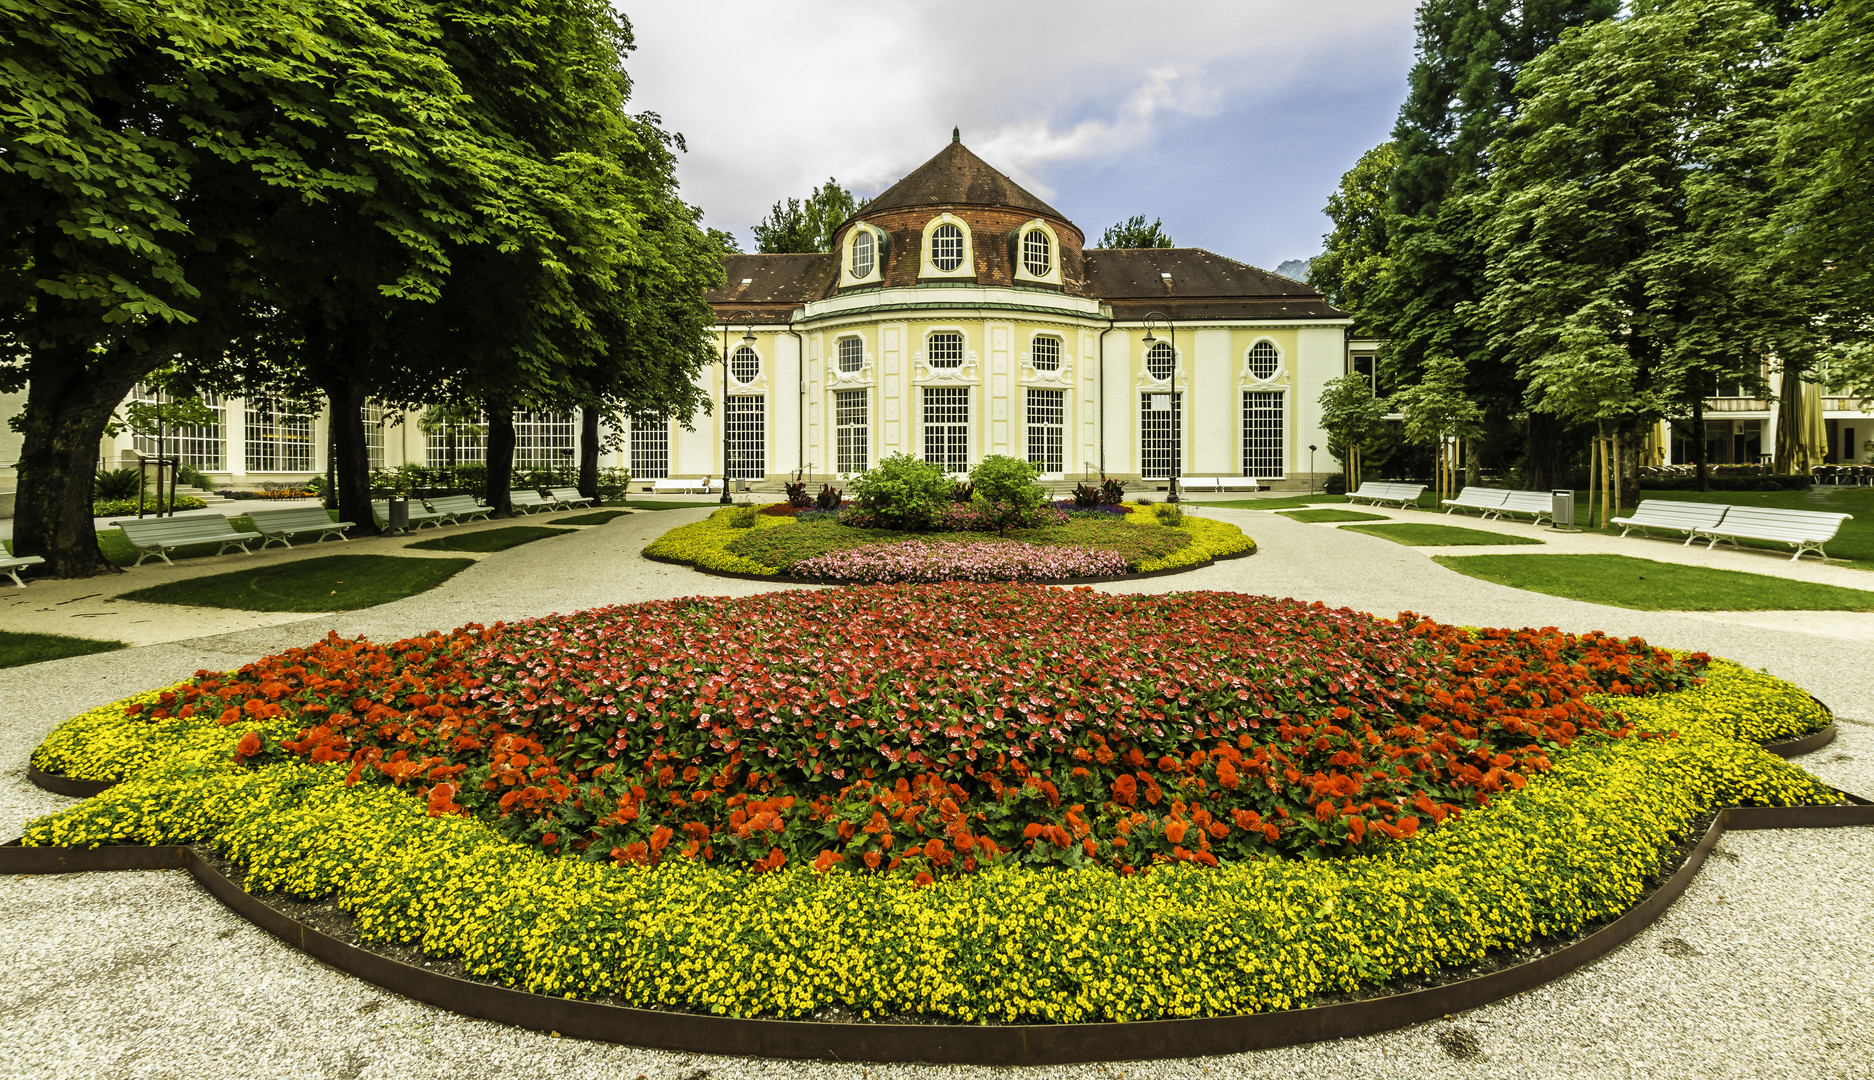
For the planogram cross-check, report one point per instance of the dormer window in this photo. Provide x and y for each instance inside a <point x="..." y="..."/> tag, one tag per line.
<point x="1037" y="253"/>
<point x="864" y="255"/>
<point x="946" y="247"/>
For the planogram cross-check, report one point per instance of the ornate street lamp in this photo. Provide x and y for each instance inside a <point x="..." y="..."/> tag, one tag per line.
<point x="748" y="338"/>
<point x="1177" y="415"/>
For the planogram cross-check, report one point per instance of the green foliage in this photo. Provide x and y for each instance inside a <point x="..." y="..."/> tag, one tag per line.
<point x="903" y="492"/>
<point x="1008" y="487"/>
<point x="117" y="484"/>
<point x="1135" y="233"/>
<point x="1350" y="413"/>
<point x="1646" y="585"/>
<point x="1356" y="252"/>
<point x="1437" y="407"/>
<point x="705" y="545"/>
<point x="1421" y="534"/>
<point x="128" y="507"/>
<point x="741" y="516"/>
<point x="614" y="485"/>
<point x="1169" y="515"/>
<point x="796" y="226"/>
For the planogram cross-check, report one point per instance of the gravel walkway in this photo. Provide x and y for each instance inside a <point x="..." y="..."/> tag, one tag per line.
<point x="1762" y="969"/>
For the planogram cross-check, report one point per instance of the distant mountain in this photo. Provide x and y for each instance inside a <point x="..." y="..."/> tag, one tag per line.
<point x="1296" y="269"/>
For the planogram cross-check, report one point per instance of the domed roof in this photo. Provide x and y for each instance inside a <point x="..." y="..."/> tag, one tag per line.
<point x="957" y="177"/>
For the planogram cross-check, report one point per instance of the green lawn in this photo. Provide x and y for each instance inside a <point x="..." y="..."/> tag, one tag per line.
<point x="331" y="583"/>
<point x="17" y="649"/>
<point x="1853" y="546"/>
<point x="1624" y="581"/>
<point x="1286" y="502"/>
<point x="679" y="505"/>
<point x="490" y="539"/>
<point x="598" y="517"/>
<point x="1316" y="516"/>
<point x="118" y="550"/>
<point x="1415" y="534"/>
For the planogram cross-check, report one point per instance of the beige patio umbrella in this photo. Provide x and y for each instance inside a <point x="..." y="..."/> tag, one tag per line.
<point x="1800" y="432"/>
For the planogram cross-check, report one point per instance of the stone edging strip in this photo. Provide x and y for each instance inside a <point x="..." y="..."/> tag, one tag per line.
<point x="1015" y="1044"/>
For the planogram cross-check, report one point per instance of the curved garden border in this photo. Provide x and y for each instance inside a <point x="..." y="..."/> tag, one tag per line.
<point x="960" y="1044"/>
<point x="788" y="579"/>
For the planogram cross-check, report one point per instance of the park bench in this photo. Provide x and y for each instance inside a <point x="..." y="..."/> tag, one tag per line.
<point x="454" y="509"/>
<point x="526" y="501"/>
<point x="1537" y="504"/>
<point x="673" y="486"/>
<point x="567" y="498"/>
<point x="1377" y="492"/>
<point x="1488" y="500"/>
<point x="1804" y="530"/>
<point x="159" y="536"/>
<point x="11" y="565"/>
<point x="287" y="522"/>
<point x="1690" y="518"/>
<point x="415" y="516"/>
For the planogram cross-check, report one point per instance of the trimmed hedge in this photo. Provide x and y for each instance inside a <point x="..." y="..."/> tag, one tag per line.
<point x="705" y="544"/>
<point x="1579" y="844"/>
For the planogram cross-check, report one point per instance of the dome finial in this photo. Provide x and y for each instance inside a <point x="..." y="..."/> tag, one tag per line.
<point x="956" y="134"/>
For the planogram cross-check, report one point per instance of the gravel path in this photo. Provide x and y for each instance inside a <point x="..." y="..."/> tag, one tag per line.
<point x="1762" y="969"/>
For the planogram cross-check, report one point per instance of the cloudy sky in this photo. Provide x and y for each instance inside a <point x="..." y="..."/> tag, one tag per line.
<point x="1230" y="119"/>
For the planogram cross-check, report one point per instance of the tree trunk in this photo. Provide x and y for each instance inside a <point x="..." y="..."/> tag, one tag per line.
<point x="351" y="464"/>
<point x="68" y="402"/>
<point x="589" y="452"/>
<point x="1698" y="443"/>
<point x="500" y="459"/>
<point x="1542" y="459"/>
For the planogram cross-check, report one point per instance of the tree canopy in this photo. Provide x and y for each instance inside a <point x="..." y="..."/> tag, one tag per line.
<point x="1135" y="233"/>
<point x="806" y="226"/>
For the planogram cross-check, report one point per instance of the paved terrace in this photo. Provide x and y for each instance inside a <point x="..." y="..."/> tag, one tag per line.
<point x="1760" y="970"/>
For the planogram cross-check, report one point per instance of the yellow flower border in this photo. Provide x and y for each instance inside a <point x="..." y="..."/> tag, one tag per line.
<point x="704" y="545"/>
<point x="1579" y="844"/>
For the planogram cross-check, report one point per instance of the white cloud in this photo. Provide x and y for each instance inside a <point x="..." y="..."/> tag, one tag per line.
<point x="774" y="97"/>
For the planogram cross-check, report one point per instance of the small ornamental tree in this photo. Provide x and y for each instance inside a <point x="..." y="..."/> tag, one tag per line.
<point x="1439" y="412"/>
<point x="1008" y="485"/>
<point x="1354" y="419"/>
<point x="903" y="492"/>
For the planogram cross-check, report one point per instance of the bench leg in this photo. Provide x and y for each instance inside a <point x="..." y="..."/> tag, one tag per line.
<point x="283" y="541"/>
<point x="15" y="575"/>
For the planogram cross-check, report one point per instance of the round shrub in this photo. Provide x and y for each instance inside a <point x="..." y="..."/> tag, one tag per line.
<point x="902" y="492"/>
<point x="1006" y="486"/>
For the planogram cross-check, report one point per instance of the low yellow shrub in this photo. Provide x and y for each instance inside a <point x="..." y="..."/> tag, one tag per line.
<point x="705" y="544"/>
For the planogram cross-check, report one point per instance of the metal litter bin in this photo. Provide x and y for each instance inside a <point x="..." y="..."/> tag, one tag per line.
<point x="397" y="514"/>
<point x="1563" y="510"/>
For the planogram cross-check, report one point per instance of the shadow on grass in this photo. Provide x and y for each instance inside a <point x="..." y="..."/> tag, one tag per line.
<point x="597" y="518"/>
<point x="490" y="539"/>
<point x="330" y="583"/>
<point x="18" y="649"/>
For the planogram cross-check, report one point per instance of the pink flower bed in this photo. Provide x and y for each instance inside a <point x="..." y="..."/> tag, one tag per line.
<point x="962" y="560"/>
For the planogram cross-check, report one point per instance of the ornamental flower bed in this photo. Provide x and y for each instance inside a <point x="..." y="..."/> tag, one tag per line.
<point x="961" y="560"/>
<point x="435" y="788"/>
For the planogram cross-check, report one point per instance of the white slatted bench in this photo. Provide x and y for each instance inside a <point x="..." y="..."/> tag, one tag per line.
<point x="159" y="536"/>
<point x="455" y="509"/>
<point x="1804" y="530"/>
<point x="1198" y="483"/>
<point x="1377" y="492"/>
<point x="527" y="501"/>
<point x="1537" y="504"/>
<point x="11" y="565"/>
<point x="1488" y="500"/>
<point x="1687" y="517"/>
<point x="1239" y="483"/>
<point x="670" y="486"/>
<point x="569" y="497"/>
<point x="415" y="515"/>
<point x="287" y="522"/>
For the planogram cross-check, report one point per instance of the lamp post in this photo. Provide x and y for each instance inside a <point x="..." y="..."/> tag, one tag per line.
<point x="1177" y="416"/>
<point x="1311" y="449"/>
<point x="748" y="338"/>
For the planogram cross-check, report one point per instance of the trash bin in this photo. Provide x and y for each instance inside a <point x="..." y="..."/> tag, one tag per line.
<point x="1563" y="510"/>
<point x="397" y="514"/>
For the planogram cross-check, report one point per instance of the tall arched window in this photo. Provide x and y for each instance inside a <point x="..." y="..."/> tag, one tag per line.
<point x="1264" y="358"/>
<point x="863" y="254"/>
<point x="1037" y="253"/>
<point x="1161" y="361"/>
<point x="946" y="247"/>
<point x="944" y="350"/>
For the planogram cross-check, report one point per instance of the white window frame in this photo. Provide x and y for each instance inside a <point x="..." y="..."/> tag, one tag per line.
<point x="963" y="350"/>
<point x="966" y="269"/>
<point x="1145" y="361"/>
<point x="879" y="243"/>
<point x="1034" y="352"/>
<point x="852" y="430"/>
<point x="954" y="437"/>
<point x="650" y="447"/>
<point x="858" y="351"/>
<point x="1257" y="451"/>
<point x="471" y="447"/>
<point x="1018" y="253"/>
<point x="1161" y="442"/>
<point x="1044" y="417"/>
<point x="738" y="354"/>
<point x="199" y="447"/>
<point x="545" y="441"/>
<point x="1249" y="364"/>
<point x="745" y="417"/>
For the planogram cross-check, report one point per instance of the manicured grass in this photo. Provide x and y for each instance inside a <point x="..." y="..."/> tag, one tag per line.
<point x="490" y="539"/>
<point x="598" y="517"/>
<point x="1315" y="516"/>
<point x="1293" y="502"/>
<point x="332" y="583"/>
<point x="17" y="649"/>
<point x="1645" y="585"/>
<point x="1853" y="545"/>
<point x="112" y="544"/>
<point x="1138" y="541"/>
<point x="1415" y="534"/>
<point x="646" y="504"/>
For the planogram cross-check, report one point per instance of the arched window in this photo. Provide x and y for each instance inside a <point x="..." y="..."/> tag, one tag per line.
<point x="946" y="247"/>
<point x="862" y="254"/>
<point x="1160" y="361"/>
<point x="1045" y="353"/>
<point x="944" y="350"/>
<point x="851" y="354"/>
<point x="744" y="365"/>
<point x="1264" y="358"/>
<point x="1037" y="253"/>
